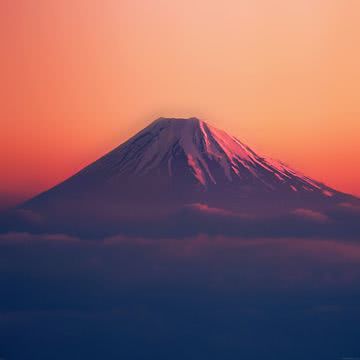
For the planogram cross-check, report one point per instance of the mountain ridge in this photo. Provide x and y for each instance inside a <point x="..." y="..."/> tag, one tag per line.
<point x="170" y="165"/>
<point x="196" y="139"/>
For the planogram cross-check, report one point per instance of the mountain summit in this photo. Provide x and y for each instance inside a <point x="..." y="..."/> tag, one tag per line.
<point x="174" y="164"/>
<point x="210" y="155"/>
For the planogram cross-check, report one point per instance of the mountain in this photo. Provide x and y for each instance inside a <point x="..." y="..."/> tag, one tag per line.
<point x="173" y="164"/>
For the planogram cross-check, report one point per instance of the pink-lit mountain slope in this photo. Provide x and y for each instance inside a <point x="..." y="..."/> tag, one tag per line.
<point x="173" y="164"/>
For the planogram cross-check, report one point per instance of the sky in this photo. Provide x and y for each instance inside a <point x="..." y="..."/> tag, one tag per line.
<point x="81" y="76"/>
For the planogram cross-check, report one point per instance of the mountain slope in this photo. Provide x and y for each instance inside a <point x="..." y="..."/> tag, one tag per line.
<point x="191" y="149"/>
<point x="174" y="163"/>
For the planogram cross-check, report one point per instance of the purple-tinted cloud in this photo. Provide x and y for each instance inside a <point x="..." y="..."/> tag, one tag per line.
<point x="212" y="295"/>
<point x="316" y="216"/>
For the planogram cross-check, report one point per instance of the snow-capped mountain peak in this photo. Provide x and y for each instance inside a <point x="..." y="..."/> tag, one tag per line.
<point x="166" y="167"/>
<point x="211" y="156"/>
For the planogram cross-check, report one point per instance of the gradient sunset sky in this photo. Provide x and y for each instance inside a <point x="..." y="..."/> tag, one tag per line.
<point x="81" y="76"/>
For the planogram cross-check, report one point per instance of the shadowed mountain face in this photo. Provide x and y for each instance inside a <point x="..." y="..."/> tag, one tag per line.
<point x="174" y="165"/>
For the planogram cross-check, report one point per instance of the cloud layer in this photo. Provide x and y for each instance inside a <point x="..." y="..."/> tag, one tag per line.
<point x="212" y="297"/>
<point x="341" y="222"/>
<point x="200" y="283"/>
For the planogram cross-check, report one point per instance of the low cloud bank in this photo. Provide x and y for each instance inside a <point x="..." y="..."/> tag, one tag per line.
<point x="192" y="220"/>
<point x="212" y="297"/>
<point x="216" y="262"/>
<point x="201" y="283"/>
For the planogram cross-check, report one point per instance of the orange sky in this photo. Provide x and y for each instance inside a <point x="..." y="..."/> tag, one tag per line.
<point x="80" y="76"/>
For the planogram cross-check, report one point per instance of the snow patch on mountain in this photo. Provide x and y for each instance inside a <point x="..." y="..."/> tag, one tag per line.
<point x="203" y="145"/>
